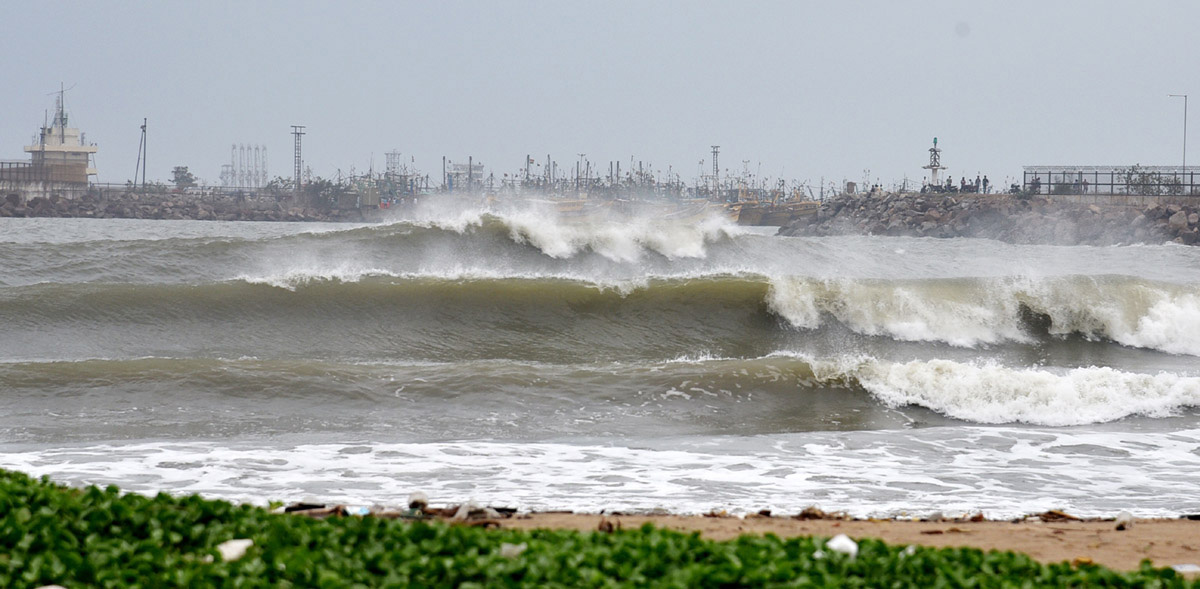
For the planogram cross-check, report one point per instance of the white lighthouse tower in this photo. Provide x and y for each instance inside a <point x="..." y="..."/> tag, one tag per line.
<point x="935" y="164"/>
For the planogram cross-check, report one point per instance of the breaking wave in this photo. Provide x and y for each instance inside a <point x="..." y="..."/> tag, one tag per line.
<point x="990" y="393"/>
<point x="979" y="311"/>
<point x="618" y="239"/>
<point x="735" y="388"/>
<point x="964" y="312"/>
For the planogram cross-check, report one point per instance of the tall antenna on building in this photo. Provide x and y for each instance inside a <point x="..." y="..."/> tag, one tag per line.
<point x="393" y="163"/>
<point x="297" y="132"/>
<point x="62" y="114"/>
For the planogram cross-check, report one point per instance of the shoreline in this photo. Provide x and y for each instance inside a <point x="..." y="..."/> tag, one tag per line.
<point x="1166" y="542"/>
<point x="1050" y="537"/>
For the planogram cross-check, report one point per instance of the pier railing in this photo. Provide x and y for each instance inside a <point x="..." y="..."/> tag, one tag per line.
<point x="1111" y="180"/>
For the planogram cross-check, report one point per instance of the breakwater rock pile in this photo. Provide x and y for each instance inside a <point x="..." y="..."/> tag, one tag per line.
<point x="174" y="207"/>
<point x="1009" y="218"/>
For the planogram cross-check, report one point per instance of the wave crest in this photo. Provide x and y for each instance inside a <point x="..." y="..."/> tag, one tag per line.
<point x="990" y="393"/>
<point x="969" y="312"/>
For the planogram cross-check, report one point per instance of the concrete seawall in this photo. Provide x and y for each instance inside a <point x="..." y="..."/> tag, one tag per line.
<point x="1008" y="218"/>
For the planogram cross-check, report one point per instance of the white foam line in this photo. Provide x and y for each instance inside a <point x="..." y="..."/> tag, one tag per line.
<point x="1004" y="472"/>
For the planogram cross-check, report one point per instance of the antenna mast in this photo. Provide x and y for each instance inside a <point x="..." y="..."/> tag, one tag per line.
<point x="298" y="132"/>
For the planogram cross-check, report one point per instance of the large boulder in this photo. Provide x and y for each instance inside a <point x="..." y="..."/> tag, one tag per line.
<point x="1178" y="221"/>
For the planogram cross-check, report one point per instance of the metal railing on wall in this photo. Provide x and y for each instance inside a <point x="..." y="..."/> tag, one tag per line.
<point x="1135" y="180"/>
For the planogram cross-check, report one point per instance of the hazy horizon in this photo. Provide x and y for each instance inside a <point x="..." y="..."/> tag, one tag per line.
<point x="798" y="90"/>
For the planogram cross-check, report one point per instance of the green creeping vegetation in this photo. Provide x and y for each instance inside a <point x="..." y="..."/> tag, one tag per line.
<point x="101" y="538"/>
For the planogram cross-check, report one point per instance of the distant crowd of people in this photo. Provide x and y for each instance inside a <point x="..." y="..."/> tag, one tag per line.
<point x="981" y="185"/>
<point x="1078" y="186"/>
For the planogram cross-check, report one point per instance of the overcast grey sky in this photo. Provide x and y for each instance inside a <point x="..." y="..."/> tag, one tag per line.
<point x="809" y="89"/>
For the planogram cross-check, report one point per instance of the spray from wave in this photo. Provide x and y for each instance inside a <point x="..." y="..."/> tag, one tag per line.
<point x="618" y="238"/>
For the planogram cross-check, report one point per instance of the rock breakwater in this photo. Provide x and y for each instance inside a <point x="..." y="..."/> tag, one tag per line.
<point x="1009" y="218"/>
<point x="170" y="207"/>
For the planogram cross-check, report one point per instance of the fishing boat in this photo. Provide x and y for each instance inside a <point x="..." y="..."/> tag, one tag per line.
<point x="773" y="214"/>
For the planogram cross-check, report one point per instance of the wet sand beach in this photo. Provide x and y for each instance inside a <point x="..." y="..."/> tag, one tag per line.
<point x="1166" y="542"/>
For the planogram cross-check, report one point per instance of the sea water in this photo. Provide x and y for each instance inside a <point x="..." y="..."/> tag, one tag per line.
<point x="518" y="360"/>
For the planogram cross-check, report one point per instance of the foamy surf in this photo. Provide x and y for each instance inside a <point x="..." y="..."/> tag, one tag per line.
<point x="970" y="312"/>
<point x="293" y="278"/>
<point x="618" y="237"/>
<point x="624" y="241"/>
<point x="990" y="393"/>
<point x="1003" y="472"/>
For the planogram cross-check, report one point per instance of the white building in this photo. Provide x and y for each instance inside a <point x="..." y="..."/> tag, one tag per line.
<point x="61" y="152"/>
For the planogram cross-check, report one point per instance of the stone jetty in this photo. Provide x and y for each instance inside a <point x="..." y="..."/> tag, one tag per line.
<point x="171" y="207"/>
<point x="1009" y="218"/>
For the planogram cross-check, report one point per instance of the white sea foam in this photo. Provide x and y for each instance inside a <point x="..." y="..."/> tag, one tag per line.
<point x="618" y="237"/>
<point x="699" y="358"/>
<point x="1003" y="472"/>
<point x="1171" y="324"/>
<point x="970" y="312"/>
<point x="620" y="240"/>
<point x="990" y="393"/>
<point x="961" y="313"/>
<point x="292" y="278"/>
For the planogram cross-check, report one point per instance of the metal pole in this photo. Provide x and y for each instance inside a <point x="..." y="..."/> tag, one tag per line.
<point x="1183" y="171"/>
<point x="141" y="143"/>
<point x="146" y="152"/>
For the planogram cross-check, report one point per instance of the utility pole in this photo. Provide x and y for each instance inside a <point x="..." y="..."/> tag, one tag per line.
<point x="1183" y="171"/>
<point x="716" y="149"/>
<point x="141" y="162"/>
<point x="298" y="132"/>
<point x="578" y="171"/>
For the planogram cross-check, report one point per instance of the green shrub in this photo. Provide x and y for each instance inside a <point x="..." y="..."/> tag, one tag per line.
<point x="100" y="538"/>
